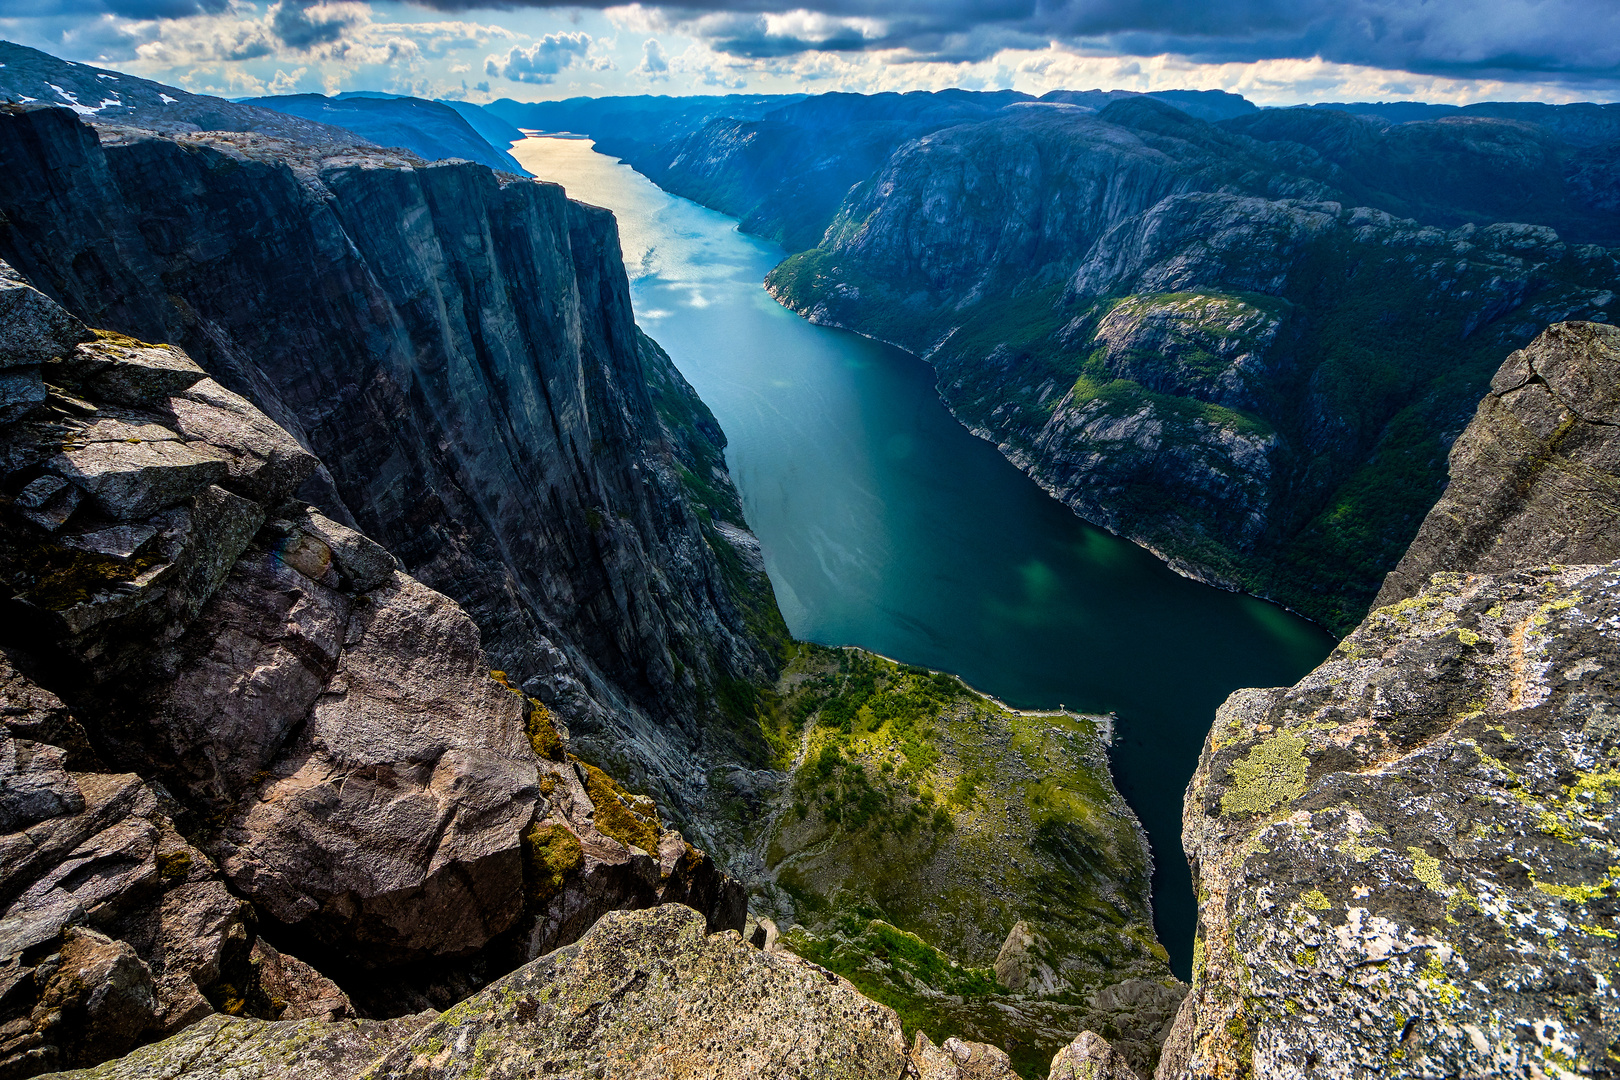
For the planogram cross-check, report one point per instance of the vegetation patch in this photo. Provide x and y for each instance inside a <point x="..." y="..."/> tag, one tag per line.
<point x="621" y="816"/>
<point x="921" y="821"/>
<point x="552" y="854"/>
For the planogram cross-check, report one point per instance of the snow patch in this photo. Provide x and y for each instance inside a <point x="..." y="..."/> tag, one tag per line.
<point x="73" y="101"/>
<point x="104" y="76"/>
<point x="167" y="100"/>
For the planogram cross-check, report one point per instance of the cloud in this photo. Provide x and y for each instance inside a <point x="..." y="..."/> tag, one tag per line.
<point x="654" y="61"/>
<point x="303" y="24"/>
<point x="1501" y="38"/>
<point x="542" y="61"/>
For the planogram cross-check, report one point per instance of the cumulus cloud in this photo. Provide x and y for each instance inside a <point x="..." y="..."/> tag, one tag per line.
<point x="542" y="61"/>
<point x="654" y="61"/>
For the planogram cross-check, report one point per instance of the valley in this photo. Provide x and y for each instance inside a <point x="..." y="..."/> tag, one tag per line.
<point x="463" y="623"/>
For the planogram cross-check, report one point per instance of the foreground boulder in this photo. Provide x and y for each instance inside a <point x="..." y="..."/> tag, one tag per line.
<point x="246" y="765"/>
<point x="1407" y="860"/>
<point x="643" y="994"/>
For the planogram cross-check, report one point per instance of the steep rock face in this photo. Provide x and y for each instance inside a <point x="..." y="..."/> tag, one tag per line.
<point x="1407" y="856"/>
<point x="267" y="729"/>
<point x="1188" y="382"/>
<point x="458" y="351"/>
<point x="1536" y="474"/>
<point x="1037" y="248"/>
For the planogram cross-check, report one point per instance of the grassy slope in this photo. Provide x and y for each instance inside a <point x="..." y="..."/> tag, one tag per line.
<point x="921" y="821"/>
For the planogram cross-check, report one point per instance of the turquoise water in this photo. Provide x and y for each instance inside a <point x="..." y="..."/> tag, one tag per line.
<point x="885" y="524"/>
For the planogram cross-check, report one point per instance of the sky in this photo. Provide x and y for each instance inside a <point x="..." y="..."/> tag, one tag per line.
<point x="1275" y="52"/>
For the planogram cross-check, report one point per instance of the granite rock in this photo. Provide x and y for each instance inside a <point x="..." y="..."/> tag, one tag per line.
<point x="650" y="994"/>
<point x="1535" y="477"/>
<point x="1090" y="1057"/>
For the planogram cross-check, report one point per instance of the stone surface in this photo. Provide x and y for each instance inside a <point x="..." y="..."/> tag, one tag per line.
<point x="33" y="330"/>
<point x="645" y="994"/>
<point x="648" y="994"/>
<point x="1404" y="857"/>
<point x="21" y="392"/>
<point x="129" y="480"/>
<point x="128" y="372"/>
<point x="244" y="1049"/>
<point x="1407" y="857"/>
<point x="296" y="990"/>
<point x="957" y="1059"/>
<point x="1090" y="1057"/>
<point x="1536" y="474"/>
<point x="350" y="776"/>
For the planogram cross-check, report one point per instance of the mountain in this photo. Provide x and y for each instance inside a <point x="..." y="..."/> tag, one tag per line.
<point x="646" y="117"/>
<point x="578" y="696"/>
<point x="114" y="98"/>
<point x="491" y="128"/>
<point x="433" y="130"/>
<point x="1245" y="345"/>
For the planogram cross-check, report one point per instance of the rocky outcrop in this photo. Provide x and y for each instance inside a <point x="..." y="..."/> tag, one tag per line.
<point x="644" y="994"/>
<point x="1535" y="477"/>
<point x="473" y="386"/>
<point x="1406" y="858"/>
<point x="227" y="719"/>
<point x="1089" y="1057"/>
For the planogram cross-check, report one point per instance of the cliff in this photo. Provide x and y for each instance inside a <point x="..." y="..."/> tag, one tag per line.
<point x="234" y="734"/>
<point x="1195" y="337"/>
<point x="459" y="353"/>
<point x="1405" y="860"/>
<point x="970" y="866"/>
<point x="1245" y="344"/>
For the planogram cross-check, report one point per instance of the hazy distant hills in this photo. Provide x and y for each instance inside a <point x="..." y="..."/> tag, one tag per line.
<point x="28" y="76"/>
<point x="429" y="128"/>
<point x="433" y="130"/>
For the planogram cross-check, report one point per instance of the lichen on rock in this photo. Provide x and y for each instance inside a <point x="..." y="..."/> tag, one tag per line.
<point x="1407" y="859"/>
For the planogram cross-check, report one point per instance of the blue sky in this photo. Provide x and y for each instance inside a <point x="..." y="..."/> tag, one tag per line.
<point x="1273" y="51"/>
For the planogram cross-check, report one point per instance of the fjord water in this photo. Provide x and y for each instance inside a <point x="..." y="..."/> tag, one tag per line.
<point x="886" y="524"/>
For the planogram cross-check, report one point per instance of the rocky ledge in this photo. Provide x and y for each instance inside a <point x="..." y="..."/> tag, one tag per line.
<point x="644" y="995"/>
<point x="233" y="734"/>
<point x="1408" y="859"/>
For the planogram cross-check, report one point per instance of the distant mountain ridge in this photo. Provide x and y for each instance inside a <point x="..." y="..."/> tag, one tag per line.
<point x="28" y="76"/>
<point x="1245" y="344"/>
<point x="435" y="130"/>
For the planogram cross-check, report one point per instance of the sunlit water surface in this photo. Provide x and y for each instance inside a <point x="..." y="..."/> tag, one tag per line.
<point x="885" y="524"/>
